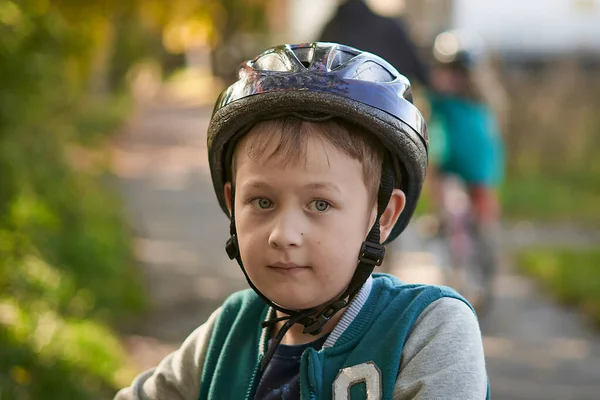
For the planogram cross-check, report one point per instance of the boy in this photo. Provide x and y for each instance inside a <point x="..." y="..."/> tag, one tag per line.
<point x="315" y="148"/>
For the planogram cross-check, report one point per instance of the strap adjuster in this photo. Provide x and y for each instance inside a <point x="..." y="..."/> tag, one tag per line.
<point x="315" y="326"/>
<point x="371" y="253"/>
<point x="232" y="248"/>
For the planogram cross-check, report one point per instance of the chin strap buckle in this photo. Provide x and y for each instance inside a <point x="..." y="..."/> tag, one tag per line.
<point x="316" y="325"/>
<point x="372" y="253"/>
<point x="232" y="248"/>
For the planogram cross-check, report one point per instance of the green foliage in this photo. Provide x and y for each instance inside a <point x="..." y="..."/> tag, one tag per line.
<point x="572" y="276"/>
<point x="66" y="270"/>
<point x="552" y="144"/>
<point x="95" y="119"/>
<point x="44" y="355"/>
<point x="553" y="198"/>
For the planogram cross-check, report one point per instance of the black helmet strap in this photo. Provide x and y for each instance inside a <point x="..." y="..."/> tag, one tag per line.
<point x="313" y="319"/>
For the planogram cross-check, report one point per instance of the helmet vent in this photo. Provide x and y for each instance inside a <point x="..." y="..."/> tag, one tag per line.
<point x="270" y="62"/>
<point x="305" y="55"/>
<point x="340" y="57"/>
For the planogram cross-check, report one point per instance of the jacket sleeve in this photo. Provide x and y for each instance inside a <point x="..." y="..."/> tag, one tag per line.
<point x="443" y="356"/>
<point x="177" y="377"/>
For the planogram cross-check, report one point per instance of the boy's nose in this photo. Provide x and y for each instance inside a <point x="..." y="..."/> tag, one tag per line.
<point x="286" y="232"/>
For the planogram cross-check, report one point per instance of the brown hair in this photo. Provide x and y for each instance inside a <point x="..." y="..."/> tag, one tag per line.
<point x="292" y="134"/>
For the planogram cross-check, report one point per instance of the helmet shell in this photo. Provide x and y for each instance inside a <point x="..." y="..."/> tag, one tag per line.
<point x="323" y="78"/>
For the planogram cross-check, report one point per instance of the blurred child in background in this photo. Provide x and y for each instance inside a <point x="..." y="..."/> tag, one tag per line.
<point x="466" y="106"/>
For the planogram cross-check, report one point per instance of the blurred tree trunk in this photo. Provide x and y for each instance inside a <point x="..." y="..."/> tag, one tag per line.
<point x="101" y="58"/>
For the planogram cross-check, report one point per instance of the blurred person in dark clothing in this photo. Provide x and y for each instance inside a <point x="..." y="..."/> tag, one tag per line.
<point x="356" y="25"/>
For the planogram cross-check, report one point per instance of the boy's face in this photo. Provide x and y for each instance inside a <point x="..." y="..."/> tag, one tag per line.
<point x="300" y="227"/>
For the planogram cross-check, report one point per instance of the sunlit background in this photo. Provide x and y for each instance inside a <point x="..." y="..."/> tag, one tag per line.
<point x="111" y="239"/>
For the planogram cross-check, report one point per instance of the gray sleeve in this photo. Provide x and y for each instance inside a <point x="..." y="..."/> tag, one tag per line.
<point x="177" y="376"/>
<point x="443" y="356"/>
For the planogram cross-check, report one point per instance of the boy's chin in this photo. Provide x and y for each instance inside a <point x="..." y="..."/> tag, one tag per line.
<point x="295" y="303"/>
<point x="300" y="301"/>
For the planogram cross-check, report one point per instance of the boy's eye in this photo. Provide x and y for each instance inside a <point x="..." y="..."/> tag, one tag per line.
<point x="262" y="203"/>
<point x="319" y="205"/>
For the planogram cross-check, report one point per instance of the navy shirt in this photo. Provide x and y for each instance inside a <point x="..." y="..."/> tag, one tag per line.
<point x="281" y="379"/>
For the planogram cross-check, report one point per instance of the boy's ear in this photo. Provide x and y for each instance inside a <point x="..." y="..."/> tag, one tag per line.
<point x="392" y="213"/>
<point x="227" y="191"/>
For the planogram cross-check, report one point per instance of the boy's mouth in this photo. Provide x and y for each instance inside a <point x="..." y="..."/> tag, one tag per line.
<point x="287" y="267"/>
